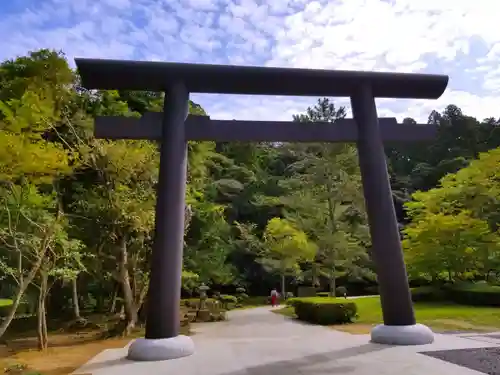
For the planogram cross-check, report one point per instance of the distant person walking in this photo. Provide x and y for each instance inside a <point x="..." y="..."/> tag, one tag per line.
<point x="274" y="297"/>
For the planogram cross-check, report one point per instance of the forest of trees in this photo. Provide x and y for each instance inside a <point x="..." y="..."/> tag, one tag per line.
<point x="77" y="213"/>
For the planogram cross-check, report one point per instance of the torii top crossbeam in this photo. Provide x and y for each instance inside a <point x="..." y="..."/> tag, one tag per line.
<point x="226" y="79"/>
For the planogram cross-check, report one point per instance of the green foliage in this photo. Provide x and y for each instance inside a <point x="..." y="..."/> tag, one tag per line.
<point x="285" y="246"/>
<point x="30" y="228"/>
<point x="5" y="305"/>
<point x="454" y="227"/>
<point x="324" y="311"/>
<point x="323" y="198"/>
<point x="242" y="297"/>
<point x="190" y="280"/>
<point x="227" y="298"/>
<point x="464" y="293"/>
<point x="475" y="294"/>
<point x="291" y="301"/>
<point x="341" y="291"/>
<point x="448" y="243"/>
<point x="428" y="294"/>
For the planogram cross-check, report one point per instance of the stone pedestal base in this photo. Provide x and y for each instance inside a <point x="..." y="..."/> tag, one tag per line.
<point x="160" y="349"/>
<point x="417" y="334"/>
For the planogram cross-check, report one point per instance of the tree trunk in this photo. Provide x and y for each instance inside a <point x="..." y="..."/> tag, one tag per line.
<point x="23" y="285"/>
<point x="128" y="297"/>
<point x="39" y="326"/>
<point x="42" y="313"/>
<point x="141" y="304"/>
<point x="333" y="226"/>
<point x="112" y="309"/>
<point x="12" y="312"/>
<point x="314" y="274"/>
<point x="76" y="304"/>
<point x="283" y="286"/>
<point x="332" y="282"/>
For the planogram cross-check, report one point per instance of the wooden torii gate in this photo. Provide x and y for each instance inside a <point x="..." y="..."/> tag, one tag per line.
<point x="174" y="128"/>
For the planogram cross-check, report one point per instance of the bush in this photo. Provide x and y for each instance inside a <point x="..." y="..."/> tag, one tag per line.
<point x="5" y="305"/>
<point x="194" y="303"/>
<point x="289" y="295"/>
<point x="341" y="291"/>
<point x="427" y="294"/>
<point x="242" y="297"/>
<point x="256" y="301"/>
<point x="228" y="301"/>
<point x="306" y="291"/>
<point x="371" y="290"/>
<point x="475" y="294"/>
<point x="324" y="311"/>
<point x="23" y="324"/>
<point x="227" y="298"/>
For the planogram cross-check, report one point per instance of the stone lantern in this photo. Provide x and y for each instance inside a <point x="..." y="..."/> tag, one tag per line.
<point x="203" y="289"/>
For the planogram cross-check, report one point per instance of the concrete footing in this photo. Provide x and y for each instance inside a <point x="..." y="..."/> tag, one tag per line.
<point x="160" y="349"/>
<point x="416" y="334"/>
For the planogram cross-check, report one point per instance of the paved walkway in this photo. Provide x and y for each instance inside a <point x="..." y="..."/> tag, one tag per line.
<point x="258" y="342"/>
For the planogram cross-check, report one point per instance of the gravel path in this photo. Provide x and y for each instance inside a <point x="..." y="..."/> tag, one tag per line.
<point x="485" y="360"/>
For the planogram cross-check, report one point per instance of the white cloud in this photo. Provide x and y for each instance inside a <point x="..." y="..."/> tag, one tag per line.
<point x="457" y="37"/>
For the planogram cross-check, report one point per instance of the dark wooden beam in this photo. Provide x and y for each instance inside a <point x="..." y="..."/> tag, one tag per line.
<point x="253" y="80"/>
<point x="201" y="128"/>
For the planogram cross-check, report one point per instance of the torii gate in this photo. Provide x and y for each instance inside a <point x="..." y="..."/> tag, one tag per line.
<point x="174" y="128"/>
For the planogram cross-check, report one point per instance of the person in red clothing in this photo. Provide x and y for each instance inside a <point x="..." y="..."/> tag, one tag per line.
<point x="274" y="297"/>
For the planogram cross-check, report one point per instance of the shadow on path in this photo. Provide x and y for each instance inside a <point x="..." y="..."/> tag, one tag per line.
<point x="303" y="363"/>
<point x="282" y="367"/>
<point x="91" y="367"/>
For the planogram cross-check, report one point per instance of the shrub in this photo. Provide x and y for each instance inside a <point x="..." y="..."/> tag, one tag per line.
<point x="216" y="295"/>
<point x="324" y="311"/>
<point x="227" y="298"/>
<point x="289" y="295"/>
<point x="23" y="324"/>
<point x="371" y="290"/>
<point x="341" y="291"/>
<point x="427" y="294"/>
<point x="291" y="301"/>
<point x="306" y="291"/>
<point x="475" y="294"/>
<point x="228" y="301"/>
<point x="5" y="305"/>
<point x="194" y="303"/>
<point x="256" y="301"/>
<point x="242" y="297"/>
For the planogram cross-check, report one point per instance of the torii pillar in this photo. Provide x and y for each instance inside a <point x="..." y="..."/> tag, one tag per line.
<point x="162" y="339"/>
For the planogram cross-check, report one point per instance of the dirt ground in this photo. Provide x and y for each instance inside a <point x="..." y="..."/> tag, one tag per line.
<point x="65" y="354"/>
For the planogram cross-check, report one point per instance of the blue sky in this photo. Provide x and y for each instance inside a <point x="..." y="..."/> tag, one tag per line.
<point x="460" y="38"/>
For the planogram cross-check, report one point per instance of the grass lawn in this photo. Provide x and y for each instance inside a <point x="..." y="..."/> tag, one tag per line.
<point x="438" y="316"/>
<point x="5" y="302"/>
